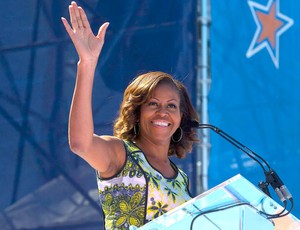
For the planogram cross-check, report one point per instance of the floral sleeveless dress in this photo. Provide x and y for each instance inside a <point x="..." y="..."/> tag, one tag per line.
<point x="139" y="193"/>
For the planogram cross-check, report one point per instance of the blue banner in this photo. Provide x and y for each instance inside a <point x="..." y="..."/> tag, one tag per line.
<point x="254" y="94"/>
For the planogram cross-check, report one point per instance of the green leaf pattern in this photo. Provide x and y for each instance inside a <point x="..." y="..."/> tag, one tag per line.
<point x="124" y="200"/>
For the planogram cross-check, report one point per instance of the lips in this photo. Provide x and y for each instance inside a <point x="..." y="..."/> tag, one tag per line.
<point x="161" y="123"/>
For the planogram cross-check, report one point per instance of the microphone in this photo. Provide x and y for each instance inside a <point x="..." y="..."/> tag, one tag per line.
<point x="277" y="184"/>
<point x="271" y="176"/>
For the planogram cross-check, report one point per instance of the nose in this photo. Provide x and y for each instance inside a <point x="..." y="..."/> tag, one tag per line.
<point x="162" y="111"/>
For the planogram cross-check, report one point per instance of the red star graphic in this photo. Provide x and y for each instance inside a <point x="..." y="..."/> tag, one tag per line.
<point x="270" y="24"/>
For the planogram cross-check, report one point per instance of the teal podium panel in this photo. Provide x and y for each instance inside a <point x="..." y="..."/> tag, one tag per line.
<point x="234" y="204"/>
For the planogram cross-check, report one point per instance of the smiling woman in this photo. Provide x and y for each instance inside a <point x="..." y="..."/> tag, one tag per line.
<point x="136" y="179"/>
<point x="165" y="97"/>
<point x="160" y="115"/>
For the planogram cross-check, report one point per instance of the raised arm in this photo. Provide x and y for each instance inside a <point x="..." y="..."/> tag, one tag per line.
<point x="104" y="153"/>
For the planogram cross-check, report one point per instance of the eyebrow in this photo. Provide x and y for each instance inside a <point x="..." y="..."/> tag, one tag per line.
<point x="173" y="99"/>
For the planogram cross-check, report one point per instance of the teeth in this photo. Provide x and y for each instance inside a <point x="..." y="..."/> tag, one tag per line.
<point x="160" y="123"/>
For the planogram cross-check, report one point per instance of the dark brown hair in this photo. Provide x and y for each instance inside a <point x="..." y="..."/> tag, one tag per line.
<point x="137" y="93"/>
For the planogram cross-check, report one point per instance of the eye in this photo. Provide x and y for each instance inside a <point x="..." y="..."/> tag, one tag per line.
<point x="152" y="103"/>
<point x="172" y="106"/>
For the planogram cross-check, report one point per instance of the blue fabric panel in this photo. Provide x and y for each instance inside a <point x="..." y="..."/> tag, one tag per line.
<point x="38" y="68"/>
<point x="254" y="95"/>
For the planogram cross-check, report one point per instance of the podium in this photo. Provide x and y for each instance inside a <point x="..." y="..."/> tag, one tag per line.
<point x="233" y="204"/>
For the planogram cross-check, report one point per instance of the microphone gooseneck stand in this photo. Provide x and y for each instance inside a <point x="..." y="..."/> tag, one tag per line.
<point x="271" y="176"/>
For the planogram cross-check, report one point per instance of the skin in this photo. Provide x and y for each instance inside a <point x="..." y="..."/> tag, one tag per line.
<point x="160" y="116"/>
<point x="106" y="153"/>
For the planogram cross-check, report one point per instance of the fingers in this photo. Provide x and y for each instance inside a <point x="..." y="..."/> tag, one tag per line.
<point x="67" y="26"/>
<point x="79" y="23"/>
<point x="102" y="31"/>
<point x="84" y="20"/>
<point x="78" y="17"/>
<point x="75" y="16"/>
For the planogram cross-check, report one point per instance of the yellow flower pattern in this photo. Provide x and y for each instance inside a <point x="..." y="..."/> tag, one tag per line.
<point x="131" y="212"/>
<point x="139" y="193"/>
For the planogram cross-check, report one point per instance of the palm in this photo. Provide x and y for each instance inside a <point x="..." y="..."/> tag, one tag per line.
<point x="87" y="44"/>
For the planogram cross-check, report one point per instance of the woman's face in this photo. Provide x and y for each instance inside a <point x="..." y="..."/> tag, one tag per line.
<point x="160" y="116"/>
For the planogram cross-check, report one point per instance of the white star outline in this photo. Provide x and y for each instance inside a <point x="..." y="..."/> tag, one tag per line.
<point x="252" y="50"/>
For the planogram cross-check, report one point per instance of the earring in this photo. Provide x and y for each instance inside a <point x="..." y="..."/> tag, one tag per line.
<point x="136" y="129"/>
<point x="177" y="136"/>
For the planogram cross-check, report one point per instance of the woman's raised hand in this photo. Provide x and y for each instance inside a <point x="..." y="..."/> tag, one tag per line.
<point x="88" y="45"/>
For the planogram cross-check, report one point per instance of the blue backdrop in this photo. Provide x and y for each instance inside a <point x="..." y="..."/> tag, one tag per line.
<point x="41" y="180"/>
<point x="254" y="94"/>
<point x="253" y="97"/>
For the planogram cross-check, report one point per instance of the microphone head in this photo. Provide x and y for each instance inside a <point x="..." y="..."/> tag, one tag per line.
<point x="188" y="124"/>
<point x="193" y="123"/>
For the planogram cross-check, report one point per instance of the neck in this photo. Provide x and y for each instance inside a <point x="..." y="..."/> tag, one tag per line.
<point x="158" y="150"/>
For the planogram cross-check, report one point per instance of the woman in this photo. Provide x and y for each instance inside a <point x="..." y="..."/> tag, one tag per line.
<point x="137" y="181"/>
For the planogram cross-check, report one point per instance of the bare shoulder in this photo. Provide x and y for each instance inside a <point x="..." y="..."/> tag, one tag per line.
<point x="111" y="143"/>
<point x="107" y="155"/>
